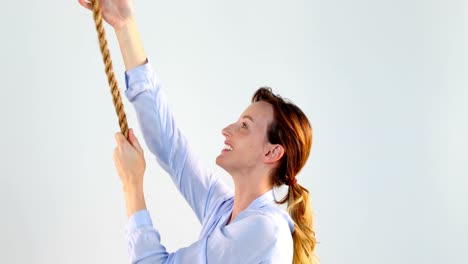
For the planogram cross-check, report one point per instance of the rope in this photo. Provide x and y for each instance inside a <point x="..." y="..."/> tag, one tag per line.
<point x="116" y="98"/>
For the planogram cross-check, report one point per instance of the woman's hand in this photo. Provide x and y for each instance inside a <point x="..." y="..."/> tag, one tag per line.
<point x="129" y="161"/>
<point x="116" y="13"/>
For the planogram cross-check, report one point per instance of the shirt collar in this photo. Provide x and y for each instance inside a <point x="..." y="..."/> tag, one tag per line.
<point x="269" y="198"/>
<point x="262" y="200"/>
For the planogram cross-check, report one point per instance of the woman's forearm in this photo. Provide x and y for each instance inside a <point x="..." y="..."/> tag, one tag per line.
<point x="130" y="44"/>
<point x="134" y="200"/>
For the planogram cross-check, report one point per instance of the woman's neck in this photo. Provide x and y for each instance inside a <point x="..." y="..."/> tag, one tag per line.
<point x="247" y="189"/>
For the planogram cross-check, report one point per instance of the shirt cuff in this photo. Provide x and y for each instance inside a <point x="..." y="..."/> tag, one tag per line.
<point x="139" y="219"/>
<point x="138" y="79"/>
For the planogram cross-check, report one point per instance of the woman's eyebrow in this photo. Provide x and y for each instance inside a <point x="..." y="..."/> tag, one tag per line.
<point x="248" y="117"/>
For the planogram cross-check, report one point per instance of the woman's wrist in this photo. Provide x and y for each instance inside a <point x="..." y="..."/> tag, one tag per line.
<point x="125" y="26"/>
<point x="134" y="199"/>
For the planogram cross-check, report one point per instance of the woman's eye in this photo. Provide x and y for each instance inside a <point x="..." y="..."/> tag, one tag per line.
<point x="244" y="125"/>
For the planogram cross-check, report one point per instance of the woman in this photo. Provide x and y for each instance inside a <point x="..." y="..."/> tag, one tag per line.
<point x="266" y="147"/>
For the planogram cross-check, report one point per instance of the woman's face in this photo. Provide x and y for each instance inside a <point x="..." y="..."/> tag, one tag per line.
<point x="246" y="140"/>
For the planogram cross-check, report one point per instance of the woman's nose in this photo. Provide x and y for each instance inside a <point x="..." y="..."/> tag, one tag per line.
<point x="227" y="131"/>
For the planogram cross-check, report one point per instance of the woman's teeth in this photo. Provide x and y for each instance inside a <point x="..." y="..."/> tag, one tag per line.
<point x="227" y="147"/>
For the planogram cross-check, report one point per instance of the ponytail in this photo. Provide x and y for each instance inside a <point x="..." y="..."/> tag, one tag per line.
<point x="304" y="236"/>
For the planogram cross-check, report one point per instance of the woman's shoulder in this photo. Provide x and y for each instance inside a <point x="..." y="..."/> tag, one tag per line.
<point x="254" y="236"/>
<point x="269" y="222"/>
<point x="263" y="229"/>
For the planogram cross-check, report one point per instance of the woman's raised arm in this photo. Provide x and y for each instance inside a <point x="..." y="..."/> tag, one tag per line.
<point x="162" y="136"/>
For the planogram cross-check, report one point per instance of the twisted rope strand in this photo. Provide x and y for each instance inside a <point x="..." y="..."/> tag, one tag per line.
<point x="116" y="98"/>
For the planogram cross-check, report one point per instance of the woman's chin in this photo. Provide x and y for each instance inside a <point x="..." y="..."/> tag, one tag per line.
<point x="221" y="162"/>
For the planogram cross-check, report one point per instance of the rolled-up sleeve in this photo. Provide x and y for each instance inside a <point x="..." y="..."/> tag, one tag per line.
<point x="138" y="80"/>
<point x="143" y="240"/>
<point x="144" y="244"/>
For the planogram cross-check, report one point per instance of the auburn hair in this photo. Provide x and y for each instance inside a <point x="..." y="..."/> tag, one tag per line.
<point x="291" y="129"/>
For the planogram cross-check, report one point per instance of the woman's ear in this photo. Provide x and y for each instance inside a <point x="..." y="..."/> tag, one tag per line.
<point x="274" y="153"/>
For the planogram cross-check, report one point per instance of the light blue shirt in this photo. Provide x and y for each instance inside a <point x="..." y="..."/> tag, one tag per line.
<point x="259" y="234"/>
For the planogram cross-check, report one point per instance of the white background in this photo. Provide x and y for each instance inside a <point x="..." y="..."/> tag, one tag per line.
<point x="384" y="84"/>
